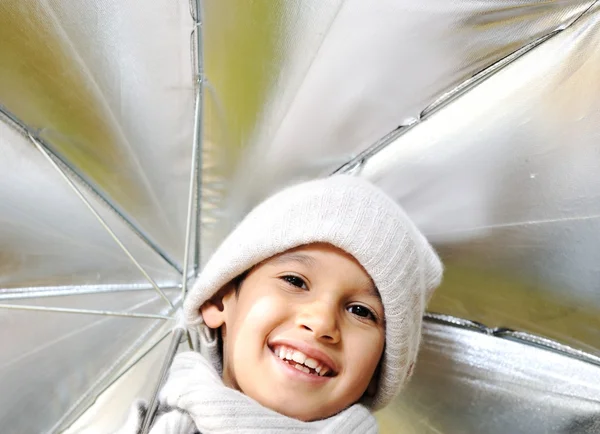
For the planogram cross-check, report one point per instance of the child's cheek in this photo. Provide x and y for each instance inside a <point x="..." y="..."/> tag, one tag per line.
<point x="261" y="316"/>
<point x="265" y="310"/>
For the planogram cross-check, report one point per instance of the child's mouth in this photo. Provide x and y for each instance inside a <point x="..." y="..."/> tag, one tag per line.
<point x="302" y="362"/>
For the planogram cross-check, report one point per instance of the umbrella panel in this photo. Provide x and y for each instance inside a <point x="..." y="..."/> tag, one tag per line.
<point x="524" y="163"/>
<point x="107" y="88"/>
<point x="62" y="356"/>
<point x="48" y="238"/>
<point x="109" y="411"/>
<point x="467" y="381"/>
<point x="320" y="82"/>
<point x="108" y="85"/>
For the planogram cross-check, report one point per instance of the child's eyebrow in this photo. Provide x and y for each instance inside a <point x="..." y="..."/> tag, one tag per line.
<point x="301" y="258"/>
<point x="373" y="291"/>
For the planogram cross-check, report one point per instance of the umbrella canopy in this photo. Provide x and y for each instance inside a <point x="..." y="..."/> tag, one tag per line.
<point x="134" y="135"/>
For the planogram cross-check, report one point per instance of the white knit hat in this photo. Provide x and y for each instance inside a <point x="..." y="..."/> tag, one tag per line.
<point x="352" y="214"/>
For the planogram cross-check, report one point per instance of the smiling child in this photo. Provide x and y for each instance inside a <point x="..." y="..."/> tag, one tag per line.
<point x="309" y="316"/>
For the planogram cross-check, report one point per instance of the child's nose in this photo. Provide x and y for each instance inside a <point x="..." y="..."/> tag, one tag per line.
<point x="321" y="320"/>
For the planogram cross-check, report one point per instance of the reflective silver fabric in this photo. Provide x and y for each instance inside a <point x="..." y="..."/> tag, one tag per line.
<point x="51" y="361"/>
<point x="504" y="181"/>
<point x="106" y="415"/>
<point x="298" y="88"/>
<point x="109" y="85"/>
<point x="479" y="117"/>
<point x="49" y="238"/>
<point x="468" y="382"/>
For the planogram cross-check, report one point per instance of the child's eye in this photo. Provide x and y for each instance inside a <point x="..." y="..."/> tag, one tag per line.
<point x="361" y="311"/>
<point x="295" y="281"/>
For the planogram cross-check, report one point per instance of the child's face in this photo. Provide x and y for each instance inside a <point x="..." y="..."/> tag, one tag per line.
<point x="317" y="302"/>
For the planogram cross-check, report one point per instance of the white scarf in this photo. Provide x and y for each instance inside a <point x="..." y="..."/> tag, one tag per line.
<point x="195" y="400"/>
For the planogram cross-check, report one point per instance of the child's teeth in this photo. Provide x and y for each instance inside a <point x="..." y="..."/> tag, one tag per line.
<point x="311" y="363"/>
<point x="302" y="362"/>
<point x="298" y="357"/>
<point x="302" y="368"/>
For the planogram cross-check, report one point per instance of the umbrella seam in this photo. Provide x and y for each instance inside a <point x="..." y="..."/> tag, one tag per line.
<point x="518" y="336"/>
<point x="89" y="186"/>
<point x="356" y="163"/>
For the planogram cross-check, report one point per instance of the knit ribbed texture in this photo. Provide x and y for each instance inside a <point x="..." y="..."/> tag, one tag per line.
<point x="194" y="399"/>
<point x="354" y="215"/>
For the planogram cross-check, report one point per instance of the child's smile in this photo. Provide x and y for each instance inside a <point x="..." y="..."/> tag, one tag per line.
<point x="304" y="333"/>
<point x="316" y="364"/>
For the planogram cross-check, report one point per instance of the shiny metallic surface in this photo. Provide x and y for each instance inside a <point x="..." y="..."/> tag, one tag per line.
<point x="509" y="192"/>
<point x="521" y="337"/>
<point x="296" y="89"/>
<point x="48" y="237"/>
<point x="479" y="117"/>
<point x="108" y="84"/>
<point x="97" y="215"/>
<point x="48" y="360"/>
<point x="470" y="382"/>
<point x="81" y="311"/>
<point x="133" y="382"/>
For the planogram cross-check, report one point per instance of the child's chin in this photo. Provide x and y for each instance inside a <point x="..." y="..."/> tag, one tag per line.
<point x="307" y="412"/>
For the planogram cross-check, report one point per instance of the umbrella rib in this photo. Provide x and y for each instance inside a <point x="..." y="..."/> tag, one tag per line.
<point x="130" y="365"/>
<point x="135" y="361"/>
<point x="518" y="336"/>
<point x="49" y="343"/>
<point x="485" y="73"/>
<point x="198" y="129"/>
<point x="75" y="290"/>
<point x="547" y="344"/>
<point x="195" y="189"/>
<point x="518" y="224"/>
<point x="123" y="371"/>
<point x="28" y="131"/>
<point x="177" y="334"/>
<point x="83" y="311"/>
<point x="194" y="193"/>
<point x="115" y="367"/>
<point x="192" y="199"/>
<point x="356" y="163"/>
<point x="114" y="236"/>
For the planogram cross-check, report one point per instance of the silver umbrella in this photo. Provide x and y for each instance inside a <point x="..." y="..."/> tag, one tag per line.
<point x="135" y="134"/>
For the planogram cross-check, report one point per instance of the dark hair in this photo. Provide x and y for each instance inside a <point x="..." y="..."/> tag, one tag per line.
<point x="238" y="280"/>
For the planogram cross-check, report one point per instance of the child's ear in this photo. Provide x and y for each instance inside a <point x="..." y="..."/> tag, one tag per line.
<point x="213" y="310"/>
<point x="213" y="314"/>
